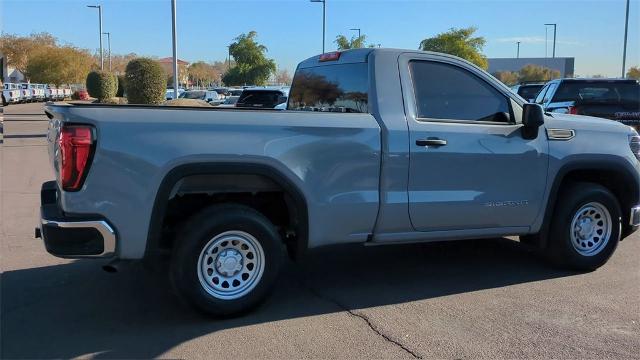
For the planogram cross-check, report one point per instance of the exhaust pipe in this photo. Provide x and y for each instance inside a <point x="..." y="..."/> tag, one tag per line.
<point x="113" y="266"/>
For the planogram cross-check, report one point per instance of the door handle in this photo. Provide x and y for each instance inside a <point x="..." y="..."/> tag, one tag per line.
<point x="432" y="141"/>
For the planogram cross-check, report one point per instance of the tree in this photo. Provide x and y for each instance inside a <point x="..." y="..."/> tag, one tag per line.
<point x="59" y="65"/>
<point x="145" y="82"/>
<point x="283" y="77"/>
<point x="509" y="78"/>
<point x="102" y="85"/>
<point x="353" y="43"/>
<point x="19" y="49"/>
<point x="532" y="72"/>
<point x="458" y="42"/>
<point x="203" y="73"/>
<point x="119" y="62"/>
<point x="251" y="64"/>
<point x="634" y="72"/>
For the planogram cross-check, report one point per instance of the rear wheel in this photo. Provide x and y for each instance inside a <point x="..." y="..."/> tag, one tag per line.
<point x="586" y="227"/>
<point x="227" y="260"/>
<point x="4" y="101"/>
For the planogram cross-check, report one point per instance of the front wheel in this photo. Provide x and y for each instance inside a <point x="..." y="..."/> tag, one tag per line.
<point x="227" y="261"/>
<point x="4" y="101"/>
<point x="586" y="227"/>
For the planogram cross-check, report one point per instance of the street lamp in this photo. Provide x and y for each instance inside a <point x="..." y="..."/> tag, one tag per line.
<point x="358" y="30"/>
<point x="99" y="7"/>
<point x="109" y="46"/>
<point x="324" y="18"/>
<point x="175" y="49"/>
<point x="624" y="51"/>
<point x="555" y="26"/>
<point x="518" y="52"/>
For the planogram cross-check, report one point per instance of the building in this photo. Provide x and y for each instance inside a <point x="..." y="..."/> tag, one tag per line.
<point x="167" y="65"/>
<point x="565" y="65"/>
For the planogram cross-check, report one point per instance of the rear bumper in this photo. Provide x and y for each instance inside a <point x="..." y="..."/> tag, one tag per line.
<point x="72" y="236"/>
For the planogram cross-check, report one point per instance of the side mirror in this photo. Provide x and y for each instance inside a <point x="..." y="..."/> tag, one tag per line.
<point x="532" y="119"/>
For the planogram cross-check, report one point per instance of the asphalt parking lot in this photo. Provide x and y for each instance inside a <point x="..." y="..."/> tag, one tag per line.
<point x="471" y="299"/>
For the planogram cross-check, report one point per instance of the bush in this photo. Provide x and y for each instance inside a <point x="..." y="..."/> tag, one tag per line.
<point x="121" y="81"/>
<point x="101" y="85"/>
<point x="145" y="82"/>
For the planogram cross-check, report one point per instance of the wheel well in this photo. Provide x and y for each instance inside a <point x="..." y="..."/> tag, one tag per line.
<point x="185" y="193"/>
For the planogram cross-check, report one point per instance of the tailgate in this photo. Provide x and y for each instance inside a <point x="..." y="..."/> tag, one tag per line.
<point x="56" y="116"/>
<point x="627" y="113"/>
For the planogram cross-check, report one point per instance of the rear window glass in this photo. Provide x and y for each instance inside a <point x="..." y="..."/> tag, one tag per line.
<point x="598" y="91"/>
<point x="332" y="88"/>
<point x="259" y="99"/>
<point x="529" y="91"/>
<point x="192" y="95"/>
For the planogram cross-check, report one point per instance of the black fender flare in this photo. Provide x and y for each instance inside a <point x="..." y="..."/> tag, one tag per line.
<point x="181" y="171"/>
<point x="600" y="163"/>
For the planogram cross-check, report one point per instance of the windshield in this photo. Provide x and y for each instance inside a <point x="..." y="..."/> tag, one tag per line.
<point x="260" y="98"/>
<point x="192" y="95"/>
<point x="231" y="100"/>
<point x="333" y="88"/>
<point x="616" y="91"/>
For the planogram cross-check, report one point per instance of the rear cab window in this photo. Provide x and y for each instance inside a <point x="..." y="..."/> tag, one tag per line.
<point x="331" y="88"/>
<point x="259" y="98"/>
<point x="594" y="91"/>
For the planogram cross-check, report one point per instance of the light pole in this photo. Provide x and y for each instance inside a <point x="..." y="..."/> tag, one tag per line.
<point x="108" y="46"/>
<point x="324" y="19"/>
<point x="358" y="30"/>
<point x="175" y="49"/>
<point x="228" y="57"/>
<point x="99" y="7"/>
<point x="518" y="51"/>
<point x="555" y="26"/>
<point x="624" y="51"/>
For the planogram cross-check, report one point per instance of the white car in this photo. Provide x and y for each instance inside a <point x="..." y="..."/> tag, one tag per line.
<point x="27" y="93"/>
<point x="66" y="93"/>
<point x="10" y="94"/>
<point x="38" y="91"/>
<point x="50" y="92"/>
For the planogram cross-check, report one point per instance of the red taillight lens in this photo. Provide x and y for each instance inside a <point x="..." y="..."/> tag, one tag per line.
<point x="76" y="148"/>
<point x="573" y="110"/>
<point x="332" y="56"/>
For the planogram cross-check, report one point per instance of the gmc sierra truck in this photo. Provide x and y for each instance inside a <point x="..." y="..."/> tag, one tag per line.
<point x="376" y="146"/>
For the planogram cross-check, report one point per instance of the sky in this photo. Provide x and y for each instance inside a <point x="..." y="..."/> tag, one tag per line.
<point x="592" y="31"/>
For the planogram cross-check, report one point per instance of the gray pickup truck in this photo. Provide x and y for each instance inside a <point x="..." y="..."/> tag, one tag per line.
<point x="377" y="146"/>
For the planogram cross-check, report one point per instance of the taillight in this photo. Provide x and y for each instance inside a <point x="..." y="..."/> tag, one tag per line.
<point x="75" y="152"/>
<point x="634" y="144"/>
<point x="332" y="56"/>
<point x="572" y="110"/>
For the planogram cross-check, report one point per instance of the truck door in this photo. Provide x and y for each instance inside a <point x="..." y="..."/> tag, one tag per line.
<point x="470" y="168"/>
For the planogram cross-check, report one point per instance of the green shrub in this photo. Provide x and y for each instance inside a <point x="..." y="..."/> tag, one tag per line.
<point x="145" y="82"/>
<point x="101" y="85"/>
<point x="121" y="81"/>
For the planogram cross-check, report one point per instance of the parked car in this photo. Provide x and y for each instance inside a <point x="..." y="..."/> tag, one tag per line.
<point x="40" y="92"/>
<point x="206" y="95"/>
<point x="66" y="93"/>
<point x="428" y="147"/>
<point x="230" y="101"/>
<point x="263" y="97"/>
<point x="10" y="94"/>
<point x="614" y="99"/>
<point x="170" y="93"/>
<point x="235" y="92"/>
<point x="528" y="91"/>
<point x="27" y="93"/>
<point x="50" y="93"/>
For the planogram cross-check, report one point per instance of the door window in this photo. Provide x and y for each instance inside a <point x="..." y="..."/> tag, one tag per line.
<point x="541" y="95"/>
<point x="550" y="91"/>
<point x="450" y="92"/>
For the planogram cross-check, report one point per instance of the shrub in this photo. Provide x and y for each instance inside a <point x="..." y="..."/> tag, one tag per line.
<point x="101" y="85"/>
<point x="145" y="82"/>
<point x="121" y="81"/>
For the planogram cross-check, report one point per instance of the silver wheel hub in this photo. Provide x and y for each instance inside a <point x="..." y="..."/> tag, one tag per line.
<point x="591" y="229"/>
<point x="230" y="265"/>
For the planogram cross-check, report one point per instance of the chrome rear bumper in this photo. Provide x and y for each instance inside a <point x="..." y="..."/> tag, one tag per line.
<point x="635" y="216"/>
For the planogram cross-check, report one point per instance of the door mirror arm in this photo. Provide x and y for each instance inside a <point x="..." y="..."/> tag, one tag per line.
<point x="532" y="119"/>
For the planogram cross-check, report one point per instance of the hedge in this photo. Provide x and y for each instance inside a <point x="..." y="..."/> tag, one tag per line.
<point x="101" y="85"/>
<point x="145" y="82"/>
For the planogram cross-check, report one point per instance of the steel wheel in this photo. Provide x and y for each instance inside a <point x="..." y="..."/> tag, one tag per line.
<point x="591" y="229"/>
<point x="230" y="265"/>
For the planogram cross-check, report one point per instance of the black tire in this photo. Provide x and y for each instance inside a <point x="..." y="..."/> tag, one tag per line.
<point x="198" y="232"/>
<point x="4" y="101"/>
<point x="560" y="248"/>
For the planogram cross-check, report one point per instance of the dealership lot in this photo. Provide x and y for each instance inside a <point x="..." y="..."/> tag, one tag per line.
<point x="489" y="298"/>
